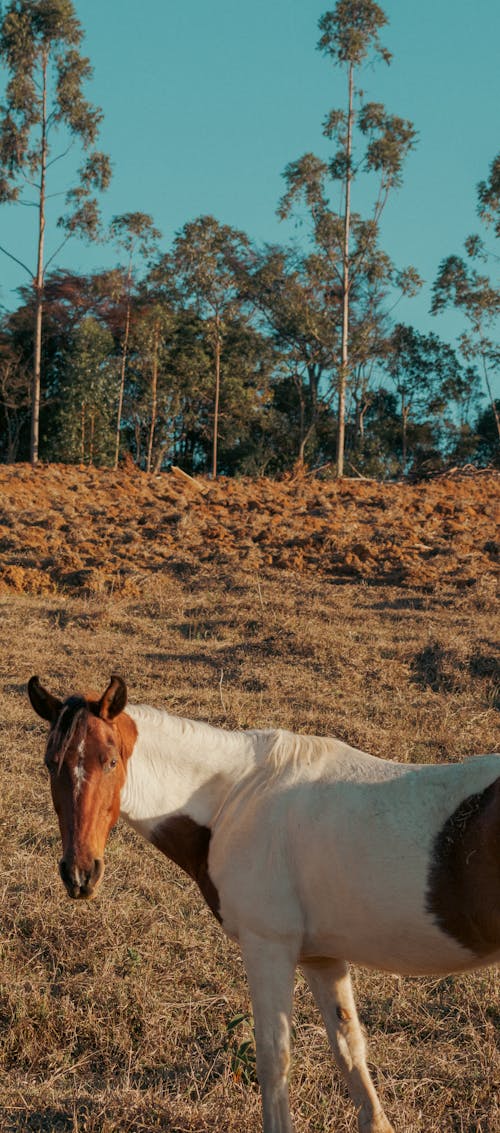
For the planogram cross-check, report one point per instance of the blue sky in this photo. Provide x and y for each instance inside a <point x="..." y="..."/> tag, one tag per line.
<point x="205" y="104"/>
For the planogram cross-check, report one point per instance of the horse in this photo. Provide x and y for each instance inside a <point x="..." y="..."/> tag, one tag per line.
<point x="307" y="851"/>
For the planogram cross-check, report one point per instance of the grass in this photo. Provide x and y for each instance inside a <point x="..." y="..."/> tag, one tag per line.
<point x="131" y="1014"/>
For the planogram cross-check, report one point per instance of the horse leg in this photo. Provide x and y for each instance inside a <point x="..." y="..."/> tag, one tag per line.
<point x="270" y="967"/>
<point x="331" y="986"/>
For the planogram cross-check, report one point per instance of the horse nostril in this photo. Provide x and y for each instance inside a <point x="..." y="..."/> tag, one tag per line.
<point x="71" y="881"/>
<point x="98" y="870"/>
<point x="64" y="872"/>
<point x="81" y="882"/>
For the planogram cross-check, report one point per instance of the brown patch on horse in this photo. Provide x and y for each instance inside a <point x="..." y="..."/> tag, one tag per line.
<point x="127" y="733"/>
<point x="186" y="843"/>
<point x="464" y="878"/>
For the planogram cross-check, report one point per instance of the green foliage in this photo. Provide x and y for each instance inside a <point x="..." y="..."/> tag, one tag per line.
<point x="474" y="293"/>
<point x="241" y="1050"/>
<point x="487" y="450"/>
<point x="350" y="31"/>
<point x="276" y="404"/>
<point x="428" y="378"/>
<point x="217" y="352"/>
<point x="389" y="140"/>
<point x="206" y="257"/>
<point x="348" y="243"/>
<point x="135" y="234"/>
<point x="82" y="431"/>
<point x="489" y="196"/>
<point x="14" y="399"/>
<point x="45" y="106"/>
<point x="39" y="41"/>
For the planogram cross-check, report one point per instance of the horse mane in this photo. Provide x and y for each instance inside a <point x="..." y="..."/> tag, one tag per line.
<point x="288" y="752"/>
<point x="70" y="726"/>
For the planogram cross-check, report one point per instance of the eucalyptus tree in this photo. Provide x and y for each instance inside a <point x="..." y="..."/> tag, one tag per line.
<point x="83" y="426"/>
<point x="14" y="398"/>
<point x="207" y="258"/>
<point x="428" y="379"/>
<point x="69" y="301"/>
<point x="487" y="449"/>
<point x="349" y="38"/>
<point x="153" y="326"/>
<point x="488" y="193"/>
<point x="248" y="371"/>
<point x="296" y="303"/>
<point x="44" y="113"/>
<point x="462" y="284"/>
<point x="135" y="234"/>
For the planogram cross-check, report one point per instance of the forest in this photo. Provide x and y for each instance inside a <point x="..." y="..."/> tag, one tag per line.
<point x="218" y="355"/>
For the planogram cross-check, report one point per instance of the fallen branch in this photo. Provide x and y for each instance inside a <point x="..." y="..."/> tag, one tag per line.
<point x="187" y="479"/>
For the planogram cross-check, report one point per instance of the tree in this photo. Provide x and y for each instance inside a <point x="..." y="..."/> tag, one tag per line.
<point x="488" y="193"/>
<point x="379" y="447"/>
<point x="153" y="327"/>
<point x="460" y="284"/>
<point x="136" y="235"/>
<point x="487" y="449"/>
<point x="85" y="402"/>
<point x="14" y="398"/>
<point x="427" y="377"/>
<point x="349" y="34"/>
<point x="69" y="299"/>
<point x="45" y="108"/>
<point x="294" y="303"/>
<point x="206" y="257"/>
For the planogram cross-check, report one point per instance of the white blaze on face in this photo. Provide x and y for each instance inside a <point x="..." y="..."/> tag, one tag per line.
<point x="79" y="770"/>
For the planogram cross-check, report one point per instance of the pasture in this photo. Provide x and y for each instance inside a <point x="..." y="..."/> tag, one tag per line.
<point x="131" y="1013"/>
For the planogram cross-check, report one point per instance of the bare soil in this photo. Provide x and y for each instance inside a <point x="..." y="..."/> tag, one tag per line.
<point x="64" y="527"/>
<point x="246" y="604"/>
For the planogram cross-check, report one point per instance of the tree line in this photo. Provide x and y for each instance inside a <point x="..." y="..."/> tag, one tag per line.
<point x="216" y="354"/>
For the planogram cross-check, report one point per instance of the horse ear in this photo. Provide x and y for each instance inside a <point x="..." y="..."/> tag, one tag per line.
<point x="45" y="705"/>
<point x="114" y="699"/>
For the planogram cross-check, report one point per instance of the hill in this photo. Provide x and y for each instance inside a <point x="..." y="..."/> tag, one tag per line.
<point x="70" y="528"/>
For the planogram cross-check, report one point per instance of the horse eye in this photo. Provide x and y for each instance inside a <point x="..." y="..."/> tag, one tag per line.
<point x="112" y="763"/>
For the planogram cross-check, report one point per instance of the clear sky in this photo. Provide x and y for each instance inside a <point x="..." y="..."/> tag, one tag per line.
<point x="205" y="103"/>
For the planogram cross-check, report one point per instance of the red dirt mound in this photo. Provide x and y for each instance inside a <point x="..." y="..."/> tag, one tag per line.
<point x="71" y="528"/>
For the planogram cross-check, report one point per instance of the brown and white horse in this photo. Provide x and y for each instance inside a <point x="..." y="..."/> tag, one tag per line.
<point x="307" y="851"/>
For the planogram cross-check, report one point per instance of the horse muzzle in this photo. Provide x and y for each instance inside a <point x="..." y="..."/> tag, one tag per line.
<point x="81" y="884"/>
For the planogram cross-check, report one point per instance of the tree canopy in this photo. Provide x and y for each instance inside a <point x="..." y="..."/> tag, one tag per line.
<point x="209" y="351"/>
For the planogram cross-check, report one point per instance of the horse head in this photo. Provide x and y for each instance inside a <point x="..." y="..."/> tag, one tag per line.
<point x="89" y="742"/>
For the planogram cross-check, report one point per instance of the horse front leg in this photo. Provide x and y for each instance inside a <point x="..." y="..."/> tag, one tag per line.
<point x="331" y="986"/>
<point x="270" y="968"/>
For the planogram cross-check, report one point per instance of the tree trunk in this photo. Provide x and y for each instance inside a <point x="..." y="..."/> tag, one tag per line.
<point x="91" y="441"/>
<point x="38" y="281"/>
<point x="297" y="381"/>
<point x="303" y="443"/>
<point x="154" y="389"/>
<point x="345" y="285"/>
<point x="159" y="458"/>
<point x="217" y="395"/>
<point x="404" y="436"/>
<point x="123" y="368"/>
<point x="362" y="410"/>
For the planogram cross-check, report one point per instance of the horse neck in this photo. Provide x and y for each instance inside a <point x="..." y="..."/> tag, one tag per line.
<point x="180" y="766"/>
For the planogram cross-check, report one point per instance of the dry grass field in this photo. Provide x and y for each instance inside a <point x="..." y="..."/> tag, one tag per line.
<point x="130" y="1014"/>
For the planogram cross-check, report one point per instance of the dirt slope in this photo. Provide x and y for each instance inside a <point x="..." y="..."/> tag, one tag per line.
<point x="80" y="528"/>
